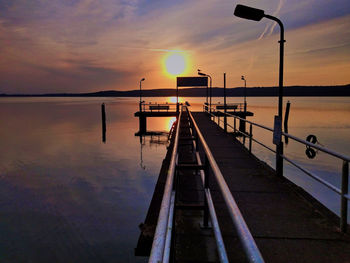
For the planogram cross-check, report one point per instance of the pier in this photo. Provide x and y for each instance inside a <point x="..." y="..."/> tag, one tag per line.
<point x="149" y="110"/>
<point x="216" y="202"/>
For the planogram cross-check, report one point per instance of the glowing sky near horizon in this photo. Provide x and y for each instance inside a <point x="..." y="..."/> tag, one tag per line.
<point x="88" y="45"/>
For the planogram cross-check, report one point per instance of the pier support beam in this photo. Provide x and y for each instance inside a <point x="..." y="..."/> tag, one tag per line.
<point x="142" y="124"/>
<point x="242" y="125"/>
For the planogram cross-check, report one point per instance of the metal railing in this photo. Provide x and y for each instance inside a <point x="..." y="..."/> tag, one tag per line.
<point x="209" y="205"/>
<point x="157" y="107"/>
<point x="229" y="106"/>
<point x="161" y="245"/>
<point x="161" y="242"/>
<point x="343" y="191"/>
<point x="248" y="243"/>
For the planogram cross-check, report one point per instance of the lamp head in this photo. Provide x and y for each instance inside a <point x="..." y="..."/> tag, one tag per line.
<point x="242" y="78"/>
<point x="201" y="74"/>
<point x="142" y="79"/>
<point x="250" y="13"/>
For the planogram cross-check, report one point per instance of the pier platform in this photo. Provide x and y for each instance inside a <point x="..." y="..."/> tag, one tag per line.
<point x="287" y="224"/>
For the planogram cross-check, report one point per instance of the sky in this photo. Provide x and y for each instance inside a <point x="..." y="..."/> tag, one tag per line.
<point x="54" y="46"/>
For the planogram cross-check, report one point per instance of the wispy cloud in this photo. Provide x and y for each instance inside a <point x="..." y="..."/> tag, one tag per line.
<point x="272" y="25"/>
<point x="108" y="44"/>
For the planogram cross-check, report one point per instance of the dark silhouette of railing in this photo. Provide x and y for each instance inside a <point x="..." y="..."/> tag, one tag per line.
<point x="344" y="189"/>
<point x="163" y="234"/>
<point x="157" y="107"/>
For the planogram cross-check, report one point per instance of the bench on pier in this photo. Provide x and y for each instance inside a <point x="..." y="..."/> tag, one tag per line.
<point x="159" y="107"/>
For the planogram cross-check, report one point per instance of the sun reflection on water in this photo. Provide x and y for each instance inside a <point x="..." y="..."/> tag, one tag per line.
<point x="173" y="99"/>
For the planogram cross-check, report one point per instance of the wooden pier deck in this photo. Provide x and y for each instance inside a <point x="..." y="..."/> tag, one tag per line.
<point x="288" y="225"/>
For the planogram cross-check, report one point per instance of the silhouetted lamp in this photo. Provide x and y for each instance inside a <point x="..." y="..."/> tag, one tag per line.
<point x="206" y="75"/>
<point x="250" y="13"/>
<point x="143" y="79"/>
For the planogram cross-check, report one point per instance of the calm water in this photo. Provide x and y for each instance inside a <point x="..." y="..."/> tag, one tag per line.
<point x="65" y="196"/>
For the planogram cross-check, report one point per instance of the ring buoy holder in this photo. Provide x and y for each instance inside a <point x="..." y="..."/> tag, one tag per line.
<point x="311" y="152"/>
<point x="312" y="138"/>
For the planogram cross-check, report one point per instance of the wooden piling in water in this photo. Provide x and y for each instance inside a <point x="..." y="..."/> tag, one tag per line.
<point x="103" y="111"/>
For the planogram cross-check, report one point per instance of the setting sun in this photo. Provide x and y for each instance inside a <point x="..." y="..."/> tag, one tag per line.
<point x="175" y="63"/>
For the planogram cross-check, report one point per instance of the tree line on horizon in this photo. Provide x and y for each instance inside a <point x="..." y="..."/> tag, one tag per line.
<point x="339" y="90"/>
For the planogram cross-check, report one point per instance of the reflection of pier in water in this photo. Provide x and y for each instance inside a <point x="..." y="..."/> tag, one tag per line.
<point x="154" y="138"/>
<point x="214" y="200"/>
<point x="147" y="110"/>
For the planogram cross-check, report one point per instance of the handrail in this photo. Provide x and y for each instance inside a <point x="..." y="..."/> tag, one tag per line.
<point x="318" y="147"/>
<point x="343" y="192"/>
<point x="160" y="235"/>
<point x="214" y="221"/>
<point x="167" y="246"/>
<point x="330" y="186"/>
<point x="156" y="103"/>
<point x="229" y="106"/>
<point x="243" y="232"/>
<point x="157" y="107"/>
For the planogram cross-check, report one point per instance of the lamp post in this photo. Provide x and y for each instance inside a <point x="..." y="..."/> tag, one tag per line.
<point x="250" y="13"/>
<point x="245" y="94"/>
<point x="206" y="75"/>
<point x="225" y="105"/>
<point x="141" y="93"/>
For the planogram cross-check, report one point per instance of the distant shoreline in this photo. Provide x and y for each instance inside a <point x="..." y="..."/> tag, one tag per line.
<point x="290" y="91"/>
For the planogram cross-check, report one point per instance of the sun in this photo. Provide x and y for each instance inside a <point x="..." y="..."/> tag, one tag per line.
<point x="175" y="63"/>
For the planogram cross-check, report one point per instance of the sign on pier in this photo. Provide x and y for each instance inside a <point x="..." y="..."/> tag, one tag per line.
<point x="192" y="81"/>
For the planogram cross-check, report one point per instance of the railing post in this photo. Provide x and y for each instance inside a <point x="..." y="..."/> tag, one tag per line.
<point x="206" y="186"/>
<point x="344" y="200"/>
<point x="225" y="105"/>
<point x="234" y="124"/>
<point x="193" y="132"/>
<point x="225" y="123"/>
<point x="250" y="137"/>
<point x="279" y="159"/>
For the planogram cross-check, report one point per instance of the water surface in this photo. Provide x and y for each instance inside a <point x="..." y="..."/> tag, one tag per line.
<point x="65" y="196"/>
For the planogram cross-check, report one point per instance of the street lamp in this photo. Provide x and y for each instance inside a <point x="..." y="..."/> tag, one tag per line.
<point x="206" y="75"/>
<point x="201" y="74"/>
<point x="250" y="13"/>
<point x="140" y="92"/>
<point x="245" y="94"/>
